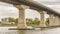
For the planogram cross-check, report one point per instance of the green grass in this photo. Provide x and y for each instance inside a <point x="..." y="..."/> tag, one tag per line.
<point x="28" y="24"/>
<point x="8" y="25"/>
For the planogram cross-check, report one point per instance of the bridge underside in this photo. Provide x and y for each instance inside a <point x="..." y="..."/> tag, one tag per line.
<point x="54" y="17"/>
<point x="34" y="5"/>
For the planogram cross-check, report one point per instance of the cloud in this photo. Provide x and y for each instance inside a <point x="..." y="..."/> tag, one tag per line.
<point x="54" y="4"/>
<point x="49" y="2"/>
<point x="31" y="14"/>
<point x="5" y="4"/>
<point x="45" y="0"/>
<point x="54" y="7"/>
<point x="8" y="11"/>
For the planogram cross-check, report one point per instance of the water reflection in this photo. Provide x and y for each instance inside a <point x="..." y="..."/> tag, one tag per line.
<point x="4" y="30"/>
<point x="21" y="31"/>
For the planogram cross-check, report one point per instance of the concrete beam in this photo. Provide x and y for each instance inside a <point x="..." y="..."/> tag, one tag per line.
<point x="14" y="2"/>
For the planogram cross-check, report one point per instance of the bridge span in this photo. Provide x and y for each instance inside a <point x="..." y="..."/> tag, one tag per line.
<point x="54" y="16"/>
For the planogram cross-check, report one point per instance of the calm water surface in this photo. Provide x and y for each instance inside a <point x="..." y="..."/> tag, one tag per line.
<point x="4" y="30"/>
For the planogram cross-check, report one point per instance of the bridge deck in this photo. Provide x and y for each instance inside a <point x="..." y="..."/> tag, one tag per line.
<point x="32" y="4"/>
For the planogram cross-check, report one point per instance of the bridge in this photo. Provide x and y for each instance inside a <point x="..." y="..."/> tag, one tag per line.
<point x="54" y="16"/>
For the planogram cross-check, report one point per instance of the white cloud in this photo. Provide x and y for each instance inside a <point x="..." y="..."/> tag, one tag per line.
<point x="8" y="11"/>
<point x="32" y="14"/>
<point x="49" y="2"/>
<point x="54" y="4"/>
<point x="5" y="4"/>
<point x="45" y="0"/>
<point x="55" y="7"/>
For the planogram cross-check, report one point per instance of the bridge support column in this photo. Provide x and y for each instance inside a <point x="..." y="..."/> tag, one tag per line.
<point x="57" y="21"/>
<point x="42" y="22"/>
<point x="21" y="18"/>
<point x="53" y="20"/>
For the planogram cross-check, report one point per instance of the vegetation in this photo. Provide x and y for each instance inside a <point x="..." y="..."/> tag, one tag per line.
<point x="8" y="24"/>
<point x="47" y="22"/>
<point x="13" y="20"/>
<point x="29" y="22"/>
<point x="10" y="19"/>
<point x="32" y="22"/>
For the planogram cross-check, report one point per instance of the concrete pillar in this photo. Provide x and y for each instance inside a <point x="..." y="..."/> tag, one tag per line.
<point x="56" y="21"/>
<point x="53" y="20"/>
<point x="21" y="18"/>
<point x="42" y="21"/>
<point x="59" y="21"/>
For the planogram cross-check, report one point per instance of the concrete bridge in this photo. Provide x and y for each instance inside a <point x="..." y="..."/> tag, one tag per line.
<point x="54" y="17"/>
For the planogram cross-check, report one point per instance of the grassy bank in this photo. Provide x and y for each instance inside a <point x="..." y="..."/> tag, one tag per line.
<point x="2" y="25"/>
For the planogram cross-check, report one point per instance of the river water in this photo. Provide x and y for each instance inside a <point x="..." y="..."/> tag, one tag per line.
<point x="4" y="30"/>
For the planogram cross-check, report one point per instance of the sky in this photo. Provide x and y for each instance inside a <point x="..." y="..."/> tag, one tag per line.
<point x="54" y="4"/>
<point x="8" y="10"/>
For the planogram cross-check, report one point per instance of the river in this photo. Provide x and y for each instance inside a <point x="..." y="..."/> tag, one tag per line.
<point x="4" y="30"/>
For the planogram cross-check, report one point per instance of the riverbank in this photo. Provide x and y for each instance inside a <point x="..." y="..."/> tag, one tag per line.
<point x="7" y="25"/>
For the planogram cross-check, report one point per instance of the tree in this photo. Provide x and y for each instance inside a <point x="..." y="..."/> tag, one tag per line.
<point x="11" y="19"/>
<point x="47" y="21"/>
<point x="29" y="21"/>
<point x="16" y="21"/>
<point x="36" y="21"/>
<point x="32" y="22"/>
